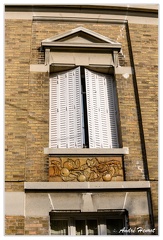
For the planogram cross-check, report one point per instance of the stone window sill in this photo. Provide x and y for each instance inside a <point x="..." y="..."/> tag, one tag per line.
<point x="86" y="151"/>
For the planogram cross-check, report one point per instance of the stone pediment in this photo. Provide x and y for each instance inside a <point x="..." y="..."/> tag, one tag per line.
<point x="81" y="37"/>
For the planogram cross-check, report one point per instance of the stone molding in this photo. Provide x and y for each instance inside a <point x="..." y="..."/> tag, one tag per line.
<point x="86" y="151"/>
<point x="86" y="185"/>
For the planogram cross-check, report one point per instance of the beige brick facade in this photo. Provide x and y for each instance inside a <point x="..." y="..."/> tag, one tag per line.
<point x="14" y="225"/>
<point x="27" y="107"/>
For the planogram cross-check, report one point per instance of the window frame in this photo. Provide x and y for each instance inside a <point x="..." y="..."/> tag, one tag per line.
<point x="100" y="216"/>
<point x="115" y="100"/>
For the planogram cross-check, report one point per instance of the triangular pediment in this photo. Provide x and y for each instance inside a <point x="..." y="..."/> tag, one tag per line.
<point x="79" y="36"/>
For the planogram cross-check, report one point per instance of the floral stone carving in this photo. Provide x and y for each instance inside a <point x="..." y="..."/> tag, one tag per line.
<point x="91" y="169"/>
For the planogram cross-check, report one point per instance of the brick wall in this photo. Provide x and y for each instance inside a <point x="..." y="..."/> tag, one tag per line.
<point x="145" y="52"/>
<point x="36" y="226"/>
<point x="20" y="225"/>
<point x="133" y="162"/>
<point x="37" y="134"/>
<point x="14" y="225"/>
<point x="14" y="186"/>
<point x="17" y="54"/>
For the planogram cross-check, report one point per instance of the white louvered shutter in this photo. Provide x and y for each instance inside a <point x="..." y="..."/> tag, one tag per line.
<point x="65" y="110"/>
<point x="102" y="125"/>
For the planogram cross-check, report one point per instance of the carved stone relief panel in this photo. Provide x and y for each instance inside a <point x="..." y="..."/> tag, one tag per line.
<point x="85" y="169"/>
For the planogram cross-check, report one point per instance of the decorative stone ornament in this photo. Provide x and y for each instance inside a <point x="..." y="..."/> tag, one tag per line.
<point x="82" y="169"/>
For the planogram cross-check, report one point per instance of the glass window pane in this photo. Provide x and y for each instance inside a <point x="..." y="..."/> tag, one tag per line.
<point x="92" y="227"/>
<point x="114" y="226"/>
<point x="80" y="227"/>
<point x="59" y="227"/>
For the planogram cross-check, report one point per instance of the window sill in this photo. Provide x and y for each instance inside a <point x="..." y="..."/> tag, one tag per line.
<point x="86" y="151"/>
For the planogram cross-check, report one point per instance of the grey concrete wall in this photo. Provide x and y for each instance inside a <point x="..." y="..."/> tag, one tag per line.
<point x="14" y="203"/>
<point x="40" y="204"/>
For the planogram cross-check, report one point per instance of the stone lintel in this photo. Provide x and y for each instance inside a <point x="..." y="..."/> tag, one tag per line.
<point x="39" y="68"/>
<point x="123" y="70"/>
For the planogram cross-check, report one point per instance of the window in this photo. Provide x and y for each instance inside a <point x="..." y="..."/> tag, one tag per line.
<point x="107" y="223"/>
<point x="59" y="227"/>
<point x="82" y="110"/>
